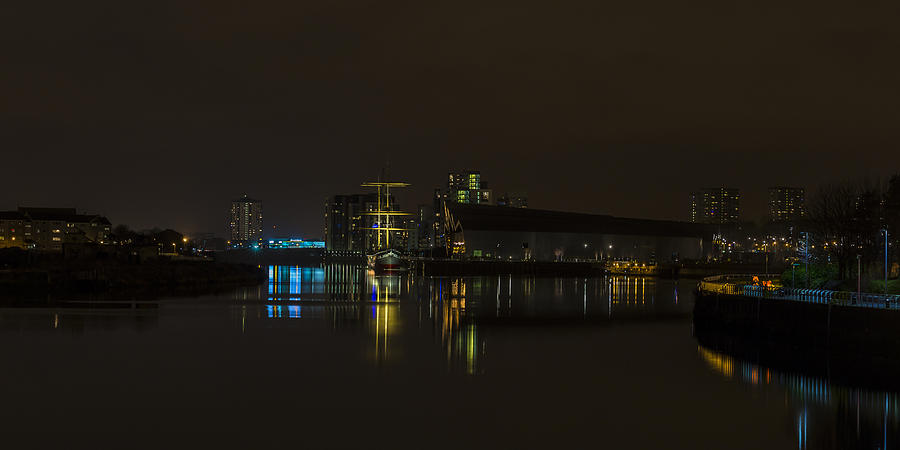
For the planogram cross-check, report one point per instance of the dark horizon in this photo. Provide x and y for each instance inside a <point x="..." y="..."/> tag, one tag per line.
<point x="160" y="115"/>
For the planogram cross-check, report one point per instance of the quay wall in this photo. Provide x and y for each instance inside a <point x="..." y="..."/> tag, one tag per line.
<point x="161" y="276"/>
<point x="800" y="324"/>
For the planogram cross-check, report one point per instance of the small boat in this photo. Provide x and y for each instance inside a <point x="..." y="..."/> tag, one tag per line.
<point x="387" y="261"/>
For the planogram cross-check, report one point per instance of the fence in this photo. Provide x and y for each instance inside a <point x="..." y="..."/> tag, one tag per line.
<point x="730" y="284"/>
<point x="740" y="285"/>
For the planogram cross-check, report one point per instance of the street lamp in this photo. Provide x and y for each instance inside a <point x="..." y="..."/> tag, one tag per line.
<point x="858" y="278"/>
<point x="885" y="230"/>
<point x="806" y="254"/>
<point x="793" y="265"/>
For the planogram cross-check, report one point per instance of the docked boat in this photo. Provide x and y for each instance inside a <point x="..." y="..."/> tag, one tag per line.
<point x="384" y="258"/>
<point x="388" y="261"/>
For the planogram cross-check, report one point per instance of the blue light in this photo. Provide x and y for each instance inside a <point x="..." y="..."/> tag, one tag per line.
<point x="295" y="243"/>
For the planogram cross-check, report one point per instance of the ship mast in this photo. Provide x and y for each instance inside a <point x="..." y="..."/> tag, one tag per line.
<point x="381" y="214"/>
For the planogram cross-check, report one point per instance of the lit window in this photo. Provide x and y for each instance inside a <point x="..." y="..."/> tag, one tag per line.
<point x="56" y="239"/>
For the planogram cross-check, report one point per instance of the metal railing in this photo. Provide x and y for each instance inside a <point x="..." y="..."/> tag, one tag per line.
<point x="732" y="284"/>
<point x="738" y="285"/>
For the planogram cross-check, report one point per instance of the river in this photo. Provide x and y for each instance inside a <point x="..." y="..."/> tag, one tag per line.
<point x="335" y="357"/>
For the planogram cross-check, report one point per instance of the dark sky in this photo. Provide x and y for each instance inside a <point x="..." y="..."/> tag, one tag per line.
<point x="158" y="113"/>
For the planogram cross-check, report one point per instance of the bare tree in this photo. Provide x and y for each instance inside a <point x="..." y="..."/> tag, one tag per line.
<point x="846" y="217"/>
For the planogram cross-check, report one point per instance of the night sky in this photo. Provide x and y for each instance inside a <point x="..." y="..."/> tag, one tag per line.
<point x="158" y="113"/>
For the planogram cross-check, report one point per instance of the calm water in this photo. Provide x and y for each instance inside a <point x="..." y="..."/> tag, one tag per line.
<point x="337" y="358"/>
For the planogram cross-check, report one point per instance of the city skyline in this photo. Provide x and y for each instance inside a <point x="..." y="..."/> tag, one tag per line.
<point x="159" y="116"/>
<point x="758" y="211"/>
<point x="379" y="224"/>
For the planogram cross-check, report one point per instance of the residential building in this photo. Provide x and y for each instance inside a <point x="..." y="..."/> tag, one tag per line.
<point x="246" y="221"/>
<point x="787" y="204"/>
<point x="512" y="200"/>
<point x="720" y="205"/>
<point x="466" y="187"/>
<point x="696" y="207"/>
<point x="350" y="219"/>
<point x="48" y="229"/>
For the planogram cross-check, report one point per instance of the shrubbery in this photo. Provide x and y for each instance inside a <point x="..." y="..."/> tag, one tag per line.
<point x="819" y="276"/>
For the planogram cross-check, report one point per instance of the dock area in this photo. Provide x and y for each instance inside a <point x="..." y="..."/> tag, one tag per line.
<point x="751" y="306"/>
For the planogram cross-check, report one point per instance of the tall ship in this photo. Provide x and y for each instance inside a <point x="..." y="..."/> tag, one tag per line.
<point x="384" y="258"/>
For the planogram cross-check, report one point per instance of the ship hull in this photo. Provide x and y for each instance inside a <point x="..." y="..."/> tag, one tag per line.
<point x="387" y="262"/>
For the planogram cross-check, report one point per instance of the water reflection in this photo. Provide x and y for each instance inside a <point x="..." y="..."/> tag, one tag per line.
<point x="576" y="299"/>
<point x="80" y="319"/>
<point x="456" y="308"/>
<point x="330" y="283"/>
<point x="583" y="342"/>
<point x="459" y="338"/>
<point x="826" y="415"/>
<point x="384" y="323"/>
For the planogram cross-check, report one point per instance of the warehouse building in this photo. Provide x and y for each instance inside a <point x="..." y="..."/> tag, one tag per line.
<point x="478" y="231"/>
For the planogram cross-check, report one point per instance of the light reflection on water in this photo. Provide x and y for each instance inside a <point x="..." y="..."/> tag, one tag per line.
<point x="455" y="308"/>
<point x="825" y="415"/>
<point x="563" y="340"/>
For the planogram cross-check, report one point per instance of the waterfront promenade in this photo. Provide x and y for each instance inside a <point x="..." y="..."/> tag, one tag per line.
<point x="743" y="285"/>
<point x="753" y="307"/>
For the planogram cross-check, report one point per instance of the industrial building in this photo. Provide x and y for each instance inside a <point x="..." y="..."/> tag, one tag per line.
<point x="478" y="231"/>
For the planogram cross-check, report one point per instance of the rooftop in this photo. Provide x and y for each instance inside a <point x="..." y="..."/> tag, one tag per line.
<point x="498" y="218"/>
<point x="52" y="214"/>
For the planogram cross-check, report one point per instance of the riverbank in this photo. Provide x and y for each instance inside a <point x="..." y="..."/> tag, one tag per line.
<point x="157" y="277"/>
<point x="452" y="267"/>
<point x="497" y="267"/>
<point x="821" y="326"/>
